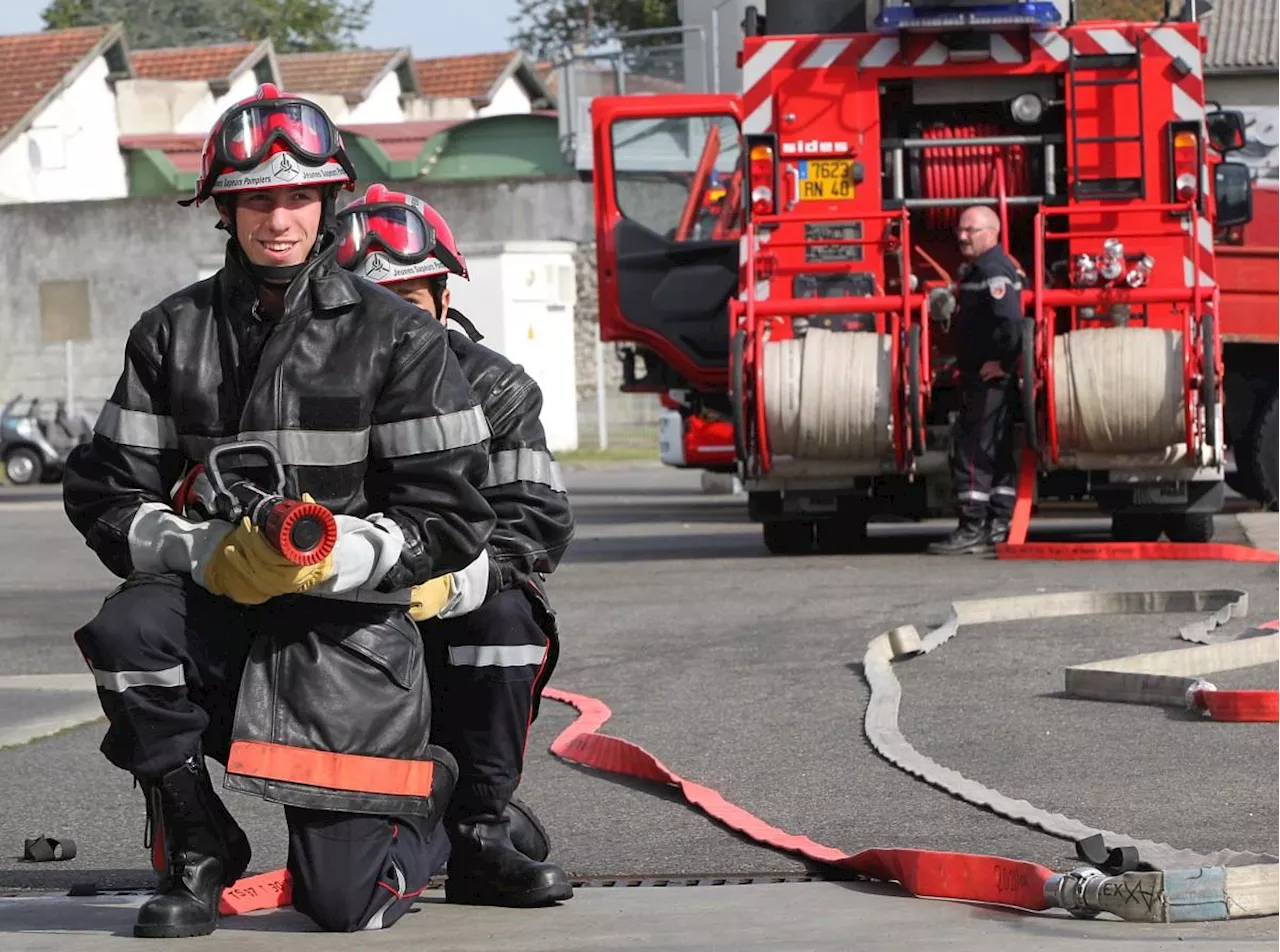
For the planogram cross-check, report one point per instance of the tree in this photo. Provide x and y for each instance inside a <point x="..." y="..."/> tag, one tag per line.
<point x="292" y="25"/>
<point x="546" y="28"/>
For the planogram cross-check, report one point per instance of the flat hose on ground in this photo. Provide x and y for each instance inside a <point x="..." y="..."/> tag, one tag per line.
<point x="827" y="396"/>
<point x="1119" y="390"/>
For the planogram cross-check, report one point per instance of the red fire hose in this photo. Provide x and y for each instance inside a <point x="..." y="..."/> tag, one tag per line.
<point x="925" y="873"/>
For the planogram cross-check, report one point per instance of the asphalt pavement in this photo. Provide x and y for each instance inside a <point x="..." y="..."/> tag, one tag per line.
<point x="741" y="671"/>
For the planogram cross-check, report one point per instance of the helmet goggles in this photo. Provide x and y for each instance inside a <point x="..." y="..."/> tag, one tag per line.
<point x="249" y="130"/>
<point x="270" y="130"/>
<point x="369" y="234"/>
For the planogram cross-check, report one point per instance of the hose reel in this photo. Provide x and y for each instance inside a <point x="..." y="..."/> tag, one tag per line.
<point x="953" y="172"/>
<point x="828" y="396"/>
<point x="1119" y="390"/>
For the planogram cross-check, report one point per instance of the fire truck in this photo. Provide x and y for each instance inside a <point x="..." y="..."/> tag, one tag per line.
<point x="777" y="264"/>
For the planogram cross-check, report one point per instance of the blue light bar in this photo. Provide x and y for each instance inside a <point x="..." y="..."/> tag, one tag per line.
<point x="1040" y="13"/>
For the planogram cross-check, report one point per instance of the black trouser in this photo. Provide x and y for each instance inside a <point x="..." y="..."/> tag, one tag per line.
<point x="168" y="657"/>
<point x="482" y="667"/>
<point x="984" y="467"/>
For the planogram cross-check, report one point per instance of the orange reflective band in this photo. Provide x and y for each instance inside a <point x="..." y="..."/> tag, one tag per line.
<point x="321" y="768"/>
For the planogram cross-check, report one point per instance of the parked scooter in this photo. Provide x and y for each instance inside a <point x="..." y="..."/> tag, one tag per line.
<point x="34" y="449"/>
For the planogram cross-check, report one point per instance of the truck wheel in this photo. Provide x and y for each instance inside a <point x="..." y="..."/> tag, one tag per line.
<point x="23" y="466"/>
<point x="841" y="535"/>
<point x="1135" y="527"/>
<point x="788" y="538"/>
<point x="1189" y="526"/>
<point x="1242" y="481"/>
<point x="1264" y="443"/>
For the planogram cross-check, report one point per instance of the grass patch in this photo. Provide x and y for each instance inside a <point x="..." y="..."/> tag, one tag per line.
<point x="614" y="454"/>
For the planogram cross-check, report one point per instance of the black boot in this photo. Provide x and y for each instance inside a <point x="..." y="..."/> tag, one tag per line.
<point x="970" y="538"/>
<point x="528" y="835"/>
<point x="999" y="531"/>
<point x="486" y="869"/>
<point x="201" y="850"/>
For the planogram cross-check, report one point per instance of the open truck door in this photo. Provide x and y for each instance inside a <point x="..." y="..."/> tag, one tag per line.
<point x="669" y="206"/>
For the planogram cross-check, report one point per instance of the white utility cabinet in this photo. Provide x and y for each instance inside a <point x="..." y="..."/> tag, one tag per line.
<point x="520" y="297"/>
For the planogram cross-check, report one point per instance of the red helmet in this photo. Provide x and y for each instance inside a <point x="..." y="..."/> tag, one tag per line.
<point x="389" y="236"/>
<point x="272" y="140"/>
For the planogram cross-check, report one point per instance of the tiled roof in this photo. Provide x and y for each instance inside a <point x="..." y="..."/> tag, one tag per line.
<point x="1243" y="35"/>
<point x="462" y="77"/>
<point x="33" y="64"/>
<point x="208" y="63"/>
<point x="349" y="73"/>
<point x="184" y="151"/>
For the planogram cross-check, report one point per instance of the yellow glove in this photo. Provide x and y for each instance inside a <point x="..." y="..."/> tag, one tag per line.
<point x="248" y="570"/>
<point x="430" y="597"/>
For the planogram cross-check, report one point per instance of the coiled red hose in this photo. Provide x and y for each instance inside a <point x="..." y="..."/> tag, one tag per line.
<point x="968" y="171"/>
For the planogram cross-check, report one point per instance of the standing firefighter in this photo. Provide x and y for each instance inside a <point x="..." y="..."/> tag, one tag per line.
<point x="494" y="643"/>
<point x="983" y="463"/>
<point x="305" y="681"/>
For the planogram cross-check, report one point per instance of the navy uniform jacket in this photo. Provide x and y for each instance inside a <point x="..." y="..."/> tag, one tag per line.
<point x="990" y="305"/>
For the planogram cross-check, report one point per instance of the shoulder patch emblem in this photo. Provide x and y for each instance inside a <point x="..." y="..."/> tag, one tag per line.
<point x="998" y="285"/>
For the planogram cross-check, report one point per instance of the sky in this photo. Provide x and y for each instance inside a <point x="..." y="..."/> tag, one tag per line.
<point x="469" y="26"/>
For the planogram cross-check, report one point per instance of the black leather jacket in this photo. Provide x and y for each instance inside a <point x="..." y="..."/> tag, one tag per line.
<point x="363" y="399"/>
<point x="524" y="485"/>
<point x="371" y="414"/>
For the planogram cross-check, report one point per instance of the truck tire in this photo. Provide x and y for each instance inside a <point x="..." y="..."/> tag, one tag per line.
<point x="787" y="537"/>
<point x="1242" y="481"/>
<point x="1264" y="444"/>
<point x="1029" y="383"/>
<point x="841" y="535"/>
<point x="1189" y="526"/>
<point x="915" y="387"/>
<point x="1209" y="384"/>
<point x="738" y="395"/>
<point x="1136" y="527"/>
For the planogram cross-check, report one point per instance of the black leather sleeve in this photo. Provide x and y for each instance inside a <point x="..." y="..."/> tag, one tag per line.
<point x="425" y="471"/>
<point x="524" y="485"/>
<point x="133" y="457"/>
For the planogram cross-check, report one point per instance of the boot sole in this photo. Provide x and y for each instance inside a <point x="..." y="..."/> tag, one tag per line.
<point x="468" y="894"/>
<point x="159" y="931"/>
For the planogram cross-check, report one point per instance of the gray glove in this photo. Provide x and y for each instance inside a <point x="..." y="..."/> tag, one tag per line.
<point x="942" y="304"/>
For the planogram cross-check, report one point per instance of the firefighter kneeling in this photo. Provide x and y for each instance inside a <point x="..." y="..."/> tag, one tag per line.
<point x="492" y="645"/>
<point x="306" y="681"/>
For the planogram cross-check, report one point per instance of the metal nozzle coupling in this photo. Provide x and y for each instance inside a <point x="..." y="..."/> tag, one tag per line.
<point x="1086" y="271"/>
<point x="1140" y="274"/>
<point x="1076" y="891"/>
<point x="1112" y="259"/>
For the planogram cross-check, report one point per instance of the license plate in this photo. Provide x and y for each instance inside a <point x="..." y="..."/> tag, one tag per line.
<point x="825" y="179"/>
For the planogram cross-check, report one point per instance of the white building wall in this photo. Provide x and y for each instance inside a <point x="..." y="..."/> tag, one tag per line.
<point x="158" y="106"/>
<point x="440" y="107"/>
<point x="382" y="105"/>
<point x="201" y="118"/>
<point x="509" y="99"/>
<point x="72" y="150"/>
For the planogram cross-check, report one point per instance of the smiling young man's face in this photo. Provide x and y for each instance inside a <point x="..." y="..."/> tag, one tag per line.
<point x="277" y="227"/>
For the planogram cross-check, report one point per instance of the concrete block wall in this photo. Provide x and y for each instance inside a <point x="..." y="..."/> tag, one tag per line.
<point x="134" y="252"/>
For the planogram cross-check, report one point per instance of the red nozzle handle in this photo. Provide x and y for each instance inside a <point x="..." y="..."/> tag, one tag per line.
<point x="303" y="532"/>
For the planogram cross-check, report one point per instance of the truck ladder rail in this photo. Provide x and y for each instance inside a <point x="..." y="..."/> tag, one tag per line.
<point x="1080" y="190"/>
